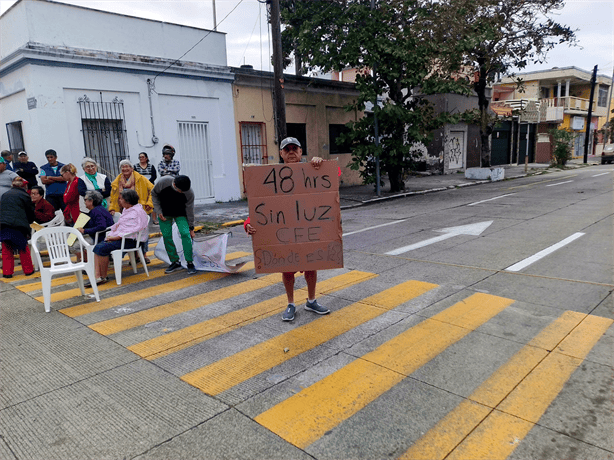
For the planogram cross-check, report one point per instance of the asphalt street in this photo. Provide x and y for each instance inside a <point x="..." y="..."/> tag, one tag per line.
<point x="474" y="322"/>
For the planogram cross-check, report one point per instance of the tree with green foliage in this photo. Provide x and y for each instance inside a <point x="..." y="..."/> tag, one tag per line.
<point x="562" y="139"/>
<point x="394" y="47"/>
<point x="498" y="37"/>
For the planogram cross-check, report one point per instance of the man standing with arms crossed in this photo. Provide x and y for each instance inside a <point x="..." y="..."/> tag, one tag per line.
<point x="173" y="200"/>
<point x="291" y="152"/>
<point x="51" y="177"/>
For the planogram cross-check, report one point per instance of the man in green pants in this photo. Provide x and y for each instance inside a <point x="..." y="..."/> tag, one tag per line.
<point x="173" y="200"/>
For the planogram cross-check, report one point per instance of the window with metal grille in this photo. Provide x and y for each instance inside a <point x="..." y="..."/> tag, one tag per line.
<point x="104" y="133"/>
<point x="253" y="143"/>
<point x="15" y="135"/>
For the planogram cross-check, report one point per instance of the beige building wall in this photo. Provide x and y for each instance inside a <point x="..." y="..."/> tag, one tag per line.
<point x="314" y="102"/>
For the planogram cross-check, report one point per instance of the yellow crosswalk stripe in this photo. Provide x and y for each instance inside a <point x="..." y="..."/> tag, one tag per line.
<point x="110" y="302"/>
<point x="61" y="281"/>
<point x="449" y="432"/>
<point x="123" y="323"/>
<point x="529" y="383"/>
<point x="228" y="372"/>
<point x="309" y="414"/>
<point x="197" y="333"/>
<point x="19" y="276"/>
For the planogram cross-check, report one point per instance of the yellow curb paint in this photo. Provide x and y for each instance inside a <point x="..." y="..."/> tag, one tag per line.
<point x="110" y="302"/>
<point x="232" y="370"/>
<point x="504" y="429"/>
<point x="440" y="440"/>
<point x="308" y="415"/>
<point x="140" y="318"/>
<point x="178" y="340"/>
<point x="232" y="223"/>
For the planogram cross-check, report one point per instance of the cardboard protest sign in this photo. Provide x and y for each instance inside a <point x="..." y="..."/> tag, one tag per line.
<point x="295" y="211"/>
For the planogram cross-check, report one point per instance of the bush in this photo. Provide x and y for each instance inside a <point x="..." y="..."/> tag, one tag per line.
<point x="561" y="152"/>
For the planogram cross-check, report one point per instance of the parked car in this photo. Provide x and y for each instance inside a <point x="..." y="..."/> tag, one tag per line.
<point x="607" y="155"/>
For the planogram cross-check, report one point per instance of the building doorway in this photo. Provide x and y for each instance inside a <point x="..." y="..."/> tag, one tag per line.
<point x="196" y="157"/>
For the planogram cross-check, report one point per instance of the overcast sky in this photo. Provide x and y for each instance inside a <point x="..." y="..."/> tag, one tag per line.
<point x="247" y="39"/>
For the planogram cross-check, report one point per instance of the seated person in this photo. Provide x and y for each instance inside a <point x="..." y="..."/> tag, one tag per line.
<point x="133" y="219"/>
<point x="43" y="210"/>
<point x="100" y="218"/>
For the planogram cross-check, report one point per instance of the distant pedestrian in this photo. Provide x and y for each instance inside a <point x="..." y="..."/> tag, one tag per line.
<point x="168" y="166"/>
<point x="8" y="159"/>
<point x="16" y="215"/>
<point x="145" y="168"/>
<point x="43" y="211"/>
<point x="291" y="152"/>
<point x="93" y="180"/>
<point x="51" y="177"/>
<point x="26" y="169"/>
<point x="173" y="200"/>
<point x="71" y="194"/>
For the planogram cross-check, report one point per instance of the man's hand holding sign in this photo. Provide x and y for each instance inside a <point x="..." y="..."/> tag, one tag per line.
<point x="295" y="220"/>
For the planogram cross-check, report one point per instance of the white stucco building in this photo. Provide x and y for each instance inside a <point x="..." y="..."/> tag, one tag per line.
<point x="90" y="83"/>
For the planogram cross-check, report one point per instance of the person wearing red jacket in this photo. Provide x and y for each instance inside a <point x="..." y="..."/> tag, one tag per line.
<point x="71" y="194"/>
<point x="43" y="210"/>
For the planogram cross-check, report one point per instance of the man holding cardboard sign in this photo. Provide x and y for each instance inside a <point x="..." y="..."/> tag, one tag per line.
<point x="296" y="222"/>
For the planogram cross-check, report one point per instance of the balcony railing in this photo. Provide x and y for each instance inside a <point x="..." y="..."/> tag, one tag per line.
<point x="553" y="109"/>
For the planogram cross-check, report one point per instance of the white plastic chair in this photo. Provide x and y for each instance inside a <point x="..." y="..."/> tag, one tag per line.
<point x="55" y="239"/>
<point x="57" y="221"/>
<point x="118" y="254"/>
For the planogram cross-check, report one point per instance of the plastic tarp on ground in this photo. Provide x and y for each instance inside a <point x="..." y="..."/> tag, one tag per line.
<point x="209" y="255"/>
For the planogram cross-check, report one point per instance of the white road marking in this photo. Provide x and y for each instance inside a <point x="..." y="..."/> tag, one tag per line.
<point x="490" y="199"/>
<point x="471" y="229"/>
<point x="559" y="183"/>
<point x="541" y="254"/>
<point x="377" y="226"/>
<point x="602" y="174"/>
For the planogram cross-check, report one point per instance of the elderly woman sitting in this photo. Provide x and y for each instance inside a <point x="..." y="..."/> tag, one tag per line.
<point x="129" y="179"/>
<point x="133" y="219"/>
<point x="100" y="218"/>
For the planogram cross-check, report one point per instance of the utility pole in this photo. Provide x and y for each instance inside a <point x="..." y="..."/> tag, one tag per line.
<point x="278" y="72"/>
<point x="214" y="17"/>
<point x="590" y="114"/>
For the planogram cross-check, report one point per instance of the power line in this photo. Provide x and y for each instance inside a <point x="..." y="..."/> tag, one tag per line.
<point x="195" y="45"/>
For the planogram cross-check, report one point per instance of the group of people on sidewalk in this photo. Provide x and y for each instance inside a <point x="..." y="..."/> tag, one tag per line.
<point x="132" y="195"/>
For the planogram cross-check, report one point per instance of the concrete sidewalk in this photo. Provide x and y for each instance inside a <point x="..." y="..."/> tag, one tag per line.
<point x="360" y="195"/>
